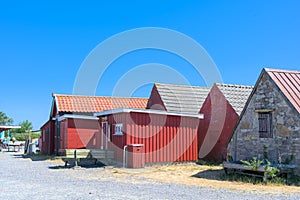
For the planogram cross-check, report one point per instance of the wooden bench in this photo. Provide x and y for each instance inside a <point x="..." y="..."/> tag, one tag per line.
<point x="261" y="171"/>
<point x="75" y="155"/>
<point x="102" y="154"/>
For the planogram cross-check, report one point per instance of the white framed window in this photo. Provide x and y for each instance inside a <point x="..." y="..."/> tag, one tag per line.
<point x="118" y="129"/>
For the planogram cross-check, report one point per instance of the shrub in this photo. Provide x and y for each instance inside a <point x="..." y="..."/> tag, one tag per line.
<point x="24" y="136"/>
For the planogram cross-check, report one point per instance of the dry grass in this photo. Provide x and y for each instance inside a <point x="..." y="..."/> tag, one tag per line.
<point x="188" y="174"/>
<point x="199" y="175"/>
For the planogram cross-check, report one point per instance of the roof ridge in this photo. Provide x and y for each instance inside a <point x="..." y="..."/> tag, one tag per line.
<point x="280" y="70"/>
<point x="170" y="84"/>
<point x="74" y="95"/>
<point x="234" y="85"/>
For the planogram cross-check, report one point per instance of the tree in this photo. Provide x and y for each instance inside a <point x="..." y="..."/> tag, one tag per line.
<point x="5" y="120"/>
<point x="25" y="126"/>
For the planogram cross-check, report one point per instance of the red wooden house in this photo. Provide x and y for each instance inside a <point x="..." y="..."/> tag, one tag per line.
<point x="221" y="108"/>
<point x="72" y="124"/>
<point x="165" y="136"/>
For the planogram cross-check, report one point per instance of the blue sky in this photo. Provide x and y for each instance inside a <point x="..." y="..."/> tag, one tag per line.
<point x="43" y="44"/>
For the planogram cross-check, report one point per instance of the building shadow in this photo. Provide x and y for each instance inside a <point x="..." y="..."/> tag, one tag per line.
<point x="218" y="175"/>
<point x="81" y="164"/>
<point x="38" y="157"/>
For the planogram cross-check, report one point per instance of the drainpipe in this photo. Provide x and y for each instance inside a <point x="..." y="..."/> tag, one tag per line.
<point x="102" y="135"/>
<point x="124" y="156"/>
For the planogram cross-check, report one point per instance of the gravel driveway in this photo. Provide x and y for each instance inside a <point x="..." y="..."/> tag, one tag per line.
<point x="22" y="178"/>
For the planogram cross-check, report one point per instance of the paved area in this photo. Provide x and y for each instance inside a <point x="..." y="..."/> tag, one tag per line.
<point x="22" y="178"/>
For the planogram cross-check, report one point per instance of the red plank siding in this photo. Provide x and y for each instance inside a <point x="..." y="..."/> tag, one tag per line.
<point x="165" y="138"/>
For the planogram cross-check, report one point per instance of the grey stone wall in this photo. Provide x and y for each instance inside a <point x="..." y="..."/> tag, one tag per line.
<point x="285" y="144"/>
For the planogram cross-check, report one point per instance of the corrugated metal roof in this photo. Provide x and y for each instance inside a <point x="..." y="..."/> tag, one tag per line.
<point x="182" y="98"/>
<point x="288" y="82"/>
<point x="236" y="95"/>
<point x="93" y="104"/>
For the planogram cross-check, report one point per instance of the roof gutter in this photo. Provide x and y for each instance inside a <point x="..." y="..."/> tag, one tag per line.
<point x="147" y="111"/>
<point x="68" y="116"/>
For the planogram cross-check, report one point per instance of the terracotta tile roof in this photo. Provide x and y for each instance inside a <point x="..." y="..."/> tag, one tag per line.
<point x="93" y="104"/>
<point x="236" y="95"/>
<point x="289" y="84"/>
<point x="182" y="98"/>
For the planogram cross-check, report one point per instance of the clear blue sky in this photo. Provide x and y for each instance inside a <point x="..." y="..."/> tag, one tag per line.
<point x="43" y="43"/>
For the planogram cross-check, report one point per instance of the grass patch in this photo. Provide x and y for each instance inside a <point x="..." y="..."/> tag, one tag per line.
<point x="207" y="163"/>
<point x="278" y="180"/>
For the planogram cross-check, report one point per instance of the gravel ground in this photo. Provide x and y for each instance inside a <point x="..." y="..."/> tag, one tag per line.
<point x="22" y="178"/>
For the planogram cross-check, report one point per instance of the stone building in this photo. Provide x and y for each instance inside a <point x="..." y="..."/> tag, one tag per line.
<point x="269" y="125"/>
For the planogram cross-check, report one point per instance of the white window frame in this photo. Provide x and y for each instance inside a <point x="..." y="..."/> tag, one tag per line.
<point x="118" y="129"/>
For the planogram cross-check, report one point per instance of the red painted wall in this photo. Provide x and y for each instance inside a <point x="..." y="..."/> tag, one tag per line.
<point x="48" y="131"/>
<point x="155" y="101"/>
<point x="79" y="134"/>
<point x="165" y="138"/>
<point x="216" y="127"/>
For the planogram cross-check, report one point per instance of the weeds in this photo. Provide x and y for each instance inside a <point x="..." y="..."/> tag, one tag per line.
<point x="203" y="162"/>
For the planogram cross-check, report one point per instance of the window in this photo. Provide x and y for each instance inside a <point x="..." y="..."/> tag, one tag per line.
<point x="265" y="126"/>
<point x="118" y="129"/>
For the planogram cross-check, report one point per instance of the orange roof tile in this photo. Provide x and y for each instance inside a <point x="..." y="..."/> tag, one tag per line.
<point x="288" y="82"/>
<point x="93" y="104"/>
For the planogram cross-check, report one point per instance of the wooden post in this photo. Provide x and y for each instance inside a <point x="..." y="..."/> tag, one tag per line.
<point x="75" y="157"/>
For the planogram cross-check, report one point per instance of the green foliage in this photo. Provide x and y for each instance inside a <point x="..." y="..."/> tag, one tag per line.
<point x="288" y="160"/>
<point x="25" y="126"/>
<point x="6" y="134"/>
<point x="5" y="120"/>
<point x="295" y="180"/>
<point x="253" y="164"/>
<point x="255" y="180"/>
<point x="24" y="136"/>
<point x="272" y="172"/>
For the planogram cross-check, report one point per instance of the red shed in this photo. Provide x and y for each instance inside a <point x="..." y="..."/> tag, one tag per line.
<point x="221" y="108"/>
<point x="72" y="124"/>
<point x="47" y="131"/>
<point x="165" y="136"/>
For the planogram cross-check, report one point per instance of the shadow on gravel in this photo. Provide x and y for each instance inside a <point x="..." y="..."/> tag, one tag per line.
<point x="17" y="156"/>
<point x="211" y="174"/>
<point x="37" y="157"/>
<point x="80" y="165"/>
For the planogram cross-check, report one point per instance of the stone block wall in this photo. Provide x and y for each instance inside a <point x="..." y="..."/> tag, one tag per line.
<point x="284" y="146"/>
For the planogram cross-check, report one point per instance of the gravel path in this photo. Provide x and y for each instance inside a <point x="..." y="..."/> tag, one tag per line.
<point x="25" y="179"/>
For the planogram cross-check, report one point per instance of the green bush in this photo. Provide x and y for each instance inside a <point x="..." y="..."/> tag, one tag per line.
<point x="24" y="136"/>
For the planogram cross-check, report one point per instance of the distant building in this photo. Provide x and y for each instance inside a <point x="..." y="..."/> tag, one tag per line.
<point x="72" y="124"/>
